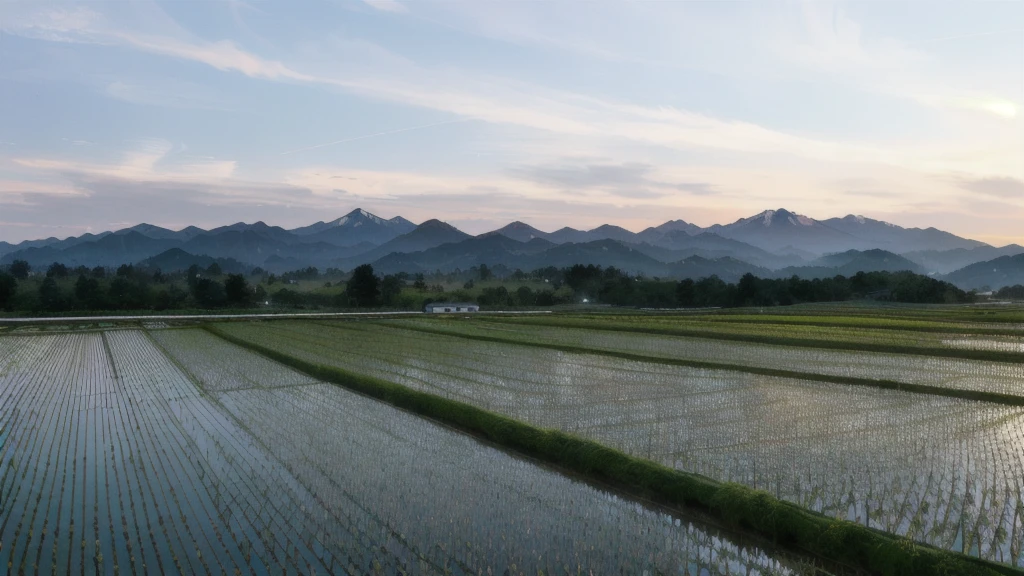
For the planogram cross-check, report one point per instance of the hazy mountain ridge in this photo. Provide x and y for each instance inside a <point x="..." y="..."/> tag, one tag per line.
<point x="946" y="261"/>
<point x="177" y="259"/>
<point x="771" y="243"/>
<point x="991" y="274"/>
<point x="898" y="239"/>
<point x="849" y="263"/>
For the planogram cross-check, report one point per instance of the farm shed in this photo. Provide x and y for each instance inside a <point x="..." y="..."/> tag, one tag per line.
<point x="441" y="307"/>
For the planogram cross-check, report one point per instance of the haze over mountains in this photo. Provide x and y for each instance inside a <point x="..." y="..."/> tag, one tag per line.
<point x="774" y="243"/>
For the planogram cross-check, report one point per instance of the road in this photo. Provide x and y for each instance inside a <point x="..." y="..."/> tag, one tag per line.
<point x="61" y="319"/>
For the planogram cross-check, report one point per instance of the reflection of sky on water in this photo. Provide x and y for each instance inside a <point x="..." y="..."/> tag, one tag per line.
<point x="323" y="477"/>
<point x="1001" y="345"/>
<point x="864" y="454"/>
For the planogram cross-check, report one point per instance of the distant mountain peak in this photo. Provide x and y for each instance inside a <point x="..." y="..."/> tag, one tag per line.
<point x="517" y="225"/>
<point x="783" y="216"/>
<point x="860" y="219"/>
<point x="518" y="231"/>
<point x="357" y="226"/>
<point x="360" y="214"/>
<point x="355" y="217"/>
<point x="435" y="223"/>
<point x="608" y="228"/>
<point x="772" y="218"/>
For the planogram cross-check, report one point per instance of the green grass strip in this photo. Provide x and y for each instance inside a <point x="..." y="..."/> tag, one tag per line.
<point x="959" y="353"/>
<point x="979" y="395"/>
<point x="786" y="524"/>
<point x="870" y="324"/>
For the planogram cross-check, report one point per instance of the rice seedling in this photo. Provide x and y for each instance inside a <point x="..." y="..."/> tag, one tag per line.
<point x="184" y="454"/>
<point x="942" y="471"/>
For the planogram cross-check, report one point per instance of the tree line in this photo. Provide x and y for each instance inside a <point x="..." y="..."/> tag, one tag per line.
<point x="1015" y="292"/>
<point x="64" y="289"/>
<point x="612" y="286"/>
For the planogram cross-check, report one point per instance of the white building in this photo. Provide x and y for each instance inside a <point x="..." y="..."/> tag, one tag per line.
<point x="441" y="307"/>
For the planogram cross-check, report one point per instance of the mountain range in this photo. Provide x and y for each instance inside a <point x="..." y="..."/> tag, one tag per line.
<point x="773" y="243"/>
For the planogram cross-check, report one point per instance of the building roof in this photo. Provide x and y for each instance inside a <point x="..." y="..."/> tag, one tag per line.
<point x="452" y="304"/>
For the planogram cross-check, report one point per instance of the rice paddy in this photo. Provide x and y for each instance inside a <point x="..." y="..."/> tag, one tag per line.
<point x="162" y="449"/>
<point x="125" y="453"/>
<point x="946" y="472"/>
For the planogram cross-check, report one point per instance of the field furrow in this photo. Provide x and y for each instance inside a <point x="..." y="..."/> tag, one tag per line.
<point x="953" y="373"/>
<point x="848" y="452"/>
<point x="181" y="453"/>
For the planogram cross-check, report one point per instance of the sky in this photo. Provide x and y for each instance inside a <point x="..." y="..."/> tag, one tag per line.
<point x="476" y="112"/>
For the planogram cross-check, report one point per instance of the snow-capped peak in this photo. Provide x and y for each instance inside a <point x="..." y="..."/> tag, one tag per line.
<point x="371" y="217"/>
<point x="782" y="215"/>
<point x="358" y="214"/>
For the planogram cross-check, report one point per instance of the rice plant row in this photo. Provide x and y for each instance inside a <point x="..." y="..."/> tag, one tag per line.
<point x="117" y="459"/>
<point x="942" y="471"/>
<point x="435" y="491"/>
<point x="955" y="373"/>
<point x="823" y="336"/>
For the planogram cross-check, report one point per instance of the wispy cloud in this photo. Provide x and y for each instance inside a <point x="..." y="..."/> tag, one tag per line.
<point x="85" y="25"/>
<point x="659" y="150"/>
<point x="387" y="6"/>
<point x="148" y="160"/>
<point x="997" y="186"/>
<point x="626" y="180"/>
<point x="166" y="93"/>
<point x="355" y="68"/>
<point x="374" y="135"/>
<point x="996" y="106"/>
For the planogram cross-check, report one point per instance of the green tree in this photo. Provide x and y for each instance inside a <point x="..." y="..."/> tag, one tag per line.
<point x="497" y="296"/>
<point x="686" y="294"/>
<point x="485" y="272"/>
<point x="50" y="298"/>
<point x="260" y="294"/>
<point x="746" y="290"/>
<point x="88" y="293"/>
<point x="237" y="290"/>
<point x="214" y="269"/>
<point x="169" y="298"/>
<point x="363" y="289"/>
<point x="57" y="270"/>
<point x="420" y="283"/>
<point x="127" y="293"/>
<point x="8" y="288"/>
<point x="390" y="289"/>
<point x="525" y="296"/>
<point x="192" y="276"/>
<point x="20" y="269"/>
<point x="209" y="293"/>
<point x="545" y="298"/>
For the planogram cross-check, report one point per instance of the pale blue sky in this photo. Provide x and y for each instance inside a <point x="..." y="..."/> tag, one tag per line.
<point x="479" y="113"/>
